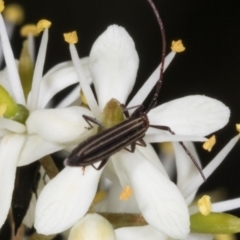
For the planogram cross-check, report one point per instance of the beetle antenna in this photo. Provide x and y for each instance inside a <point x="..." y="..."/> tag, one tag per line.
<point x="159" y="82"/>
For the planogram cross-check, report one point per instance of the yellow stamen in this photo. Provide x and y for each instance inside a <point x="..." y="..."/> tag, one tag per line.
<point x="238" y="127"/>
<point x="1" y="6"/>
<point x="177" y="46"/>
<point x="3" y="109"/>
<point x="209" y="143"/>
<point x="71" y="37"/>
<point x="100" y="195"/>
<point x="29" y="29"/>
<point x="126" y="193"/>
<point x="42" y="25"/>
<point x="14" y="13"/>
<point x="205" y="205"/>
<point x="83" y="98"/>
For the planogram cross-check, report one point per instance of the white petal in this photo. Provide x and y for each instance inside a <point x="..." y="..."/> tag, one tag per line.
<point x="209" y="169"/>
<point x="159" y="200"/>
<point x="11" y="67"/>
<point x="192" y="115"/>
<point x="150" y="83"/>
<point x="226" y="205"/>
<point x="13" y="126"/>
<point x="151" y="155"/>
<point x="113" y="65"/>
<point x="186" y="170"/>
<point x="58" y="78"/>
<point x="35" y="148"/>
<point x="9" y="151"/>
<point x="58" y="125"/>
<point x="38" y="72"/>
<point x="65" y="199"/>
<point x="156" y="135"/>
<point x="139" y="233"/>
<point x="4" y="80"/>
<point x="92" y="226"/>
<point x="72" y="99"/>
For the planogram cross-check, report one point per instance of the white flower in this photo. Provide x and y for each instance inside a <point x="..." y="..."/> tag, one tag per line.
<point x="46" y="130"/>
<point x="113" y="63"/>
<point x="188" y="182"/>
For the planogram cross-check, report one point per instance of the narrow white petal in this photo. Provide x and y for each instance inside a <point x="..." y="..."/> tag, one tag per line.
<point x="72" y="99"/>
<point x="209" y="169"/>
<point x="58" y="78"/>
<point x="10" y="149"/>
<point x="12" y="126"/>
<point x="223" y="206"/>
<point x="11" y="66"/>
<point x="186" y="170"/>
<point x="58" y="125"/>
<point x="92" y="103"/>
<point x="113" y="64"/>
<point x="4" y="80"/>
<point x="140" y="233"/>
<point x="35" y="148"/>
<point x="159" y="199"/>
<point x="38" y="72"/>
<point x="31" y="47"/>
<point x="92" y="226"/>
<point x="150" y="83"/>
<point x="192" y="115"/>
<point x="163" y="136"/>
<point x="65" y="199"/>
<point x="226" y="205"/>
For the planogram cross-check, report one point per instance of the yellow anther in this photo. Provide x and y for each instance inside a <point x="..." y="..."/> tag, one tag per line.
<point x="1" y="6"/>
<point x="3" y="109"/>
<point x="177" y="46"/>
<point x="29" y="29"/>
<point x="83" y="98"/>
<point x="208" y="145"/>
<point x="238" y="127"/>
<point x="42" y="25"/>
<point x="100" y="195"/>
<point x="126" y="193"/>
<point x="14" y="13"/>
<point x="71" y="37"/>
<point x="205" y="205"/>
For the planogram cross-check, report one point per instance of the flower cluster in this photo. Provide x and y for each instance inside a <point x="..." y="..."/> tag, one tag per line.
<point x="30" y="130"/>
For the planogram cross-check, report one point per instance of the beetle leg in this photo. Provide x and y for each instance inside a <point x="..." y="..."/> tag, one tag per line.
<point x="166" y="128"/>
<point x="93" y="120"/>
<point x="102" y="164"/>
<point x="141" y="143"/>
<point x="136" y="112"/>
<point x="132" y="150"/>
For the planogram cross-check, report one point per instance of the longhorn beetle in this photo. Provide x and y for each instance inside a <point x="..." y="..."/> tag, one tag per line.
<point x="129" y="132"/>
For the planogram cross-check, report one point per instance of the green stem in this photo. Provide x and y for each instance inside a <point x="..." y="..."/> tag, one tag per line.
<point x="49" y="166"/>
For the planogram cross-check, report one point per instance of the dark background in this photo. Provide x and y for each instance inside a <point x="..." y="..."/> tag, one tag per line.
<point x="210" y="65"/>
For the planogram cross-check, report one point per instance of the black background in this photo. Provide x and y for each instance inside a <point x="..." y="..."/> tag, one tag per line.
<point x="210" y="65"/>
